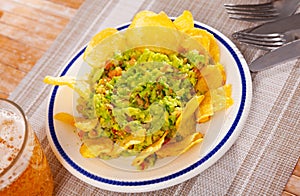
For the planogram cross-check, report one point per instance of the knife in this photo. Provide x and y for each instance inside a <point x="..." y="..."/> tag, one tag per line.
<point x="285" y="53"/>
<point x="278" y="26"/>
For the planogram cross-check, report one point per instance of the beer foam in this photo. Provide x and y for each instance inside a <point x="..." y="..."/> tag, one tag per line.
<point x="12" y="132"/>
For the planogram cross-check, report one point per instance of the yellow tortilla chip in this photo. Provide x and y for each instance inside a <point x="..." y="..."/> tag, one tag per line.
<point x="177" y="148"/>
<point x="203" y="41"/>
<point x="205" y="111"/>
<point x="149" y="150"/>
<point x="85" y="152"/>
<point x="133" y="139"/>
<point x="221" y="98"/>
<point x="214" y="101"/>
<point x="212" y="76"/>
<point x="140" y="16"/>
<point x="92" y="148"/>
<point x="97" y="39"/>
<point x="207" y="40"/>
<point x="185" y="21"/>
<point x="65" y="117"/>
<point x="148" y="18"/>
<point x="186" y="124"/>
<point x="87" y="125"/>
<point x="69" y="81"/>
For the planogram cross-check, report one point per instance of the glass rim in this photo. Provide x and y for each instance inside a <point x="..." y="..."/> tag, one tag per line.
<point x="15" y="105"/>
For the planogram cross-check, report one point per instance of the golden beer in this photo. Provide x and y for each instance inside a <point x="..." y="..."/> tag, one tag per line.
<point x="24" y="169"/>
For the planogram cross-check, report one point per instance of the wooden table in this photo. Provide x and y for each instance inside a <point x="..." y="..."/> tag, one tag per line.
<point x="28" y="28"/>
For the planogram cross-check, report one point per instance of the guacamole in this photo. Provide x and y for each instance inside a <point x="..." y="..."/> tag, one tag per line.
<point x="137" y="98"/>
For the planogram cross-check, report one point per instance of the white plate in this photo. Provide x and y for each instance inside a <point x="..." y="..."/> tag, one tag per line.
<point x="65" y="142"/>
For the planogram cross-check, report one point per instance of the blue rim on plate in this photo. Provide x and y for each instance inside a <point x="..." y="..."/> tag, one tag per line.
<point x="167" y="177"/>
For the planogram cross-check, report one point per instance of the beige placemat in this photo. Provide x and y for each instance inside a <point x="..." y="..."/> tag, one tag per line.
<point x="261" y="160"/>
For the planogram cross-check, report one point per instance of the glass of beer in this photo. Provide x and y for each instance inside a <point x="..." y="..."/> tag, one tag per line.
<point x="24" y="169"/>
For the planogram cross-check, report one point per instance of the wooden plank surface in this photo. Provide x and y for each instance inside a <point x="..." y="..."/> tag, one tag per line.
<point x="293" y="185"/>
<point x="29" y="27"/>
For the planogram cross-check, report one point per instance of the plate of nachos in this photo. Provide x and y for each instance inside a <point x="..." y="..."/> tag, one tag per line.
<point x="152" y="103"/>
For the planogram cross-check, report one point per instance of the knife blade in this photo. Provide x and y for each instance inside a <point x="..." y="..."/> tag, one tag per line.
<point x="278" y="26"/>
<point x="283" y="54"/>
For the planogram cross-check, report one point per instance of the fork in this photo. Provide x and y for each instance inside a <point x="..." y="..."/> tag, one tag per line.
<point x="268" y="41"/>
<point x="262" y="12"/>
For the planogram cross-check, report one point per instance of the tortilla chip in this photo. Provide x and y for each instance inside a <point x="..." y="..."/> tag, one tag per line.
<point x="207" y="40"/>
<point x="65" y="117"/>
<point x="87" y="125"/>
<point x="205" y="111"/>
<point x="133" y="139"/>
<point x="185" y="21"/>
<point x="97" y="39"/>
<point x="176" y="148"/>
<point x="92" y="148"/>
<point x="148" y="18"/>
<point x="221" y="98"/>
<point x="186" y="124"/>
<point x="212" y="76"/>
<point x="85" y="152"/>
<point x="149" y="150"/>
<point x="214" y="101"/>
<point x="69" y="81"/>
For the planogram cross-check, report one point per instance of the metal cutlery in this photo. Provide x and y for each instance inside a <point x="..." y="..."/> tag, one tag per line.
<point x="271" y="35"/>
<point x="283" y="54"/>
<point x="280" y="26"/>
<point x="269" y="41"/>
<point x="271" y="11"/>
<point x="281" y="36"/>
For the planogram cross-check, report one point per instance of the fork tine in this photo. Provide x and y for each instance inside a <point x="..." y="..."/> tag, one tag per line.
<point x="275" y="9"/>
<point x="266" y="11"/>
<point x="262" y="41"/>
<point x="272" y="37"/>
<point x="261" y="45"/>
<point x="249" y="6"/>
<point x="253" y="19"/>
<point x="252" y="12"/>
